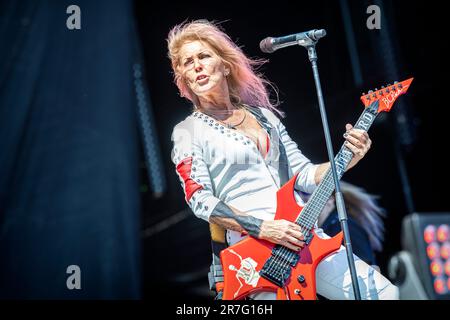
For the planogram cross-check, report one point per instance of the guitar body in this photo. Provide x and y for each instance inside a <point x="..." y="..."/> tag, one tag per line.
<point x="242" y="261"/>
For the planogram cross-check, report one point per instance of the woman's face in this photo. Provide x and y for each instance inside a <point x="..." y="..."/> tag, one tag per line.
<point x="202" y="69"/>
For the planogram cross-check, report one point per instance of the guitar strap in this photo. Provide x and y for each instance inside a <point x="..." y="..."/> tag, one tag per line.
<point x="218" y="234"/>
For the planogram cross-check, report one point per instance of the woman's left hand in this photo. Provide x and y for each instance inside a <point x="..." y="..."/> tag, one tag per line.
<point x="358" y="142"/>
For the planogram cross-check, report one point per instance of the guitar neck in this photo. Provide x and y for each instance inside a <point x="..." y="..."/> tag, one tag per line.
<point x="324" y="190"/>
<point x="277" y="269"/>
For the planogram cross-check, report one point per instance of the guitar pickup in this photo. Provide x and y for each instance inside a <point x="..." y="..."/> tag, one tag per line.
<point x="308" y="238"/>
<point x="275" y="272"/>
<point x="284" y="254"/>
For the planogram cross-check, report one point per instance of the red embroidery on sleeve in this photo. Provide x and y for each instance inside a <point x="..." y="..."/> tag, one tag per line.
<point x="268" y="143"/>
<point x="184" y="170"/>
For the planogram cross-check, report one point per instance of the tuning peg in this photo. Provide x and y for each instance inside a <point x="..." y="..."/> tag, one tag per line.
<point x="395" y="82"/>
<point x="382" y="87"/>
<point x="370" y="91"/>
<point x="376" y="89"/>
<point x="363" y="94"/>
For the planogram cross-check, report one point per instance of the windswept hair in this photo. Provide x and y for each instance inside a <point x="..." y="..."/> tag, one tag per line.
<point x="363" y="207"/>
<point x="245" y="84"/>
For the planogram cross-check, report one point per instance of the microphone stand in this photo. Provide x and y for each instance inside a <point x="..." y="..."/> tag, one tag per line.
<point x="310" y="45"/>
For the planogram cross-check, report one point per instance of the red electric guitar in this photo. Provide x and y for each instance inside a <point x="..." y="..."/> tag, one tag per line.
<point x="254" y="265"/>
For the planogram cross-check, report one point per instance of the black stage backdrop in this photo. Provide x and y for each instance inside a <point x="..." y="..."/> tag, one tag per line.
<point x="69" y="151"/>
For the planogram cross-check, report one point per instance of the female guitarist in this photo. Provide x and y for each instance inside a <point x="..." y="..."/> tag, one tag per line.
<point x="232" y="154"/>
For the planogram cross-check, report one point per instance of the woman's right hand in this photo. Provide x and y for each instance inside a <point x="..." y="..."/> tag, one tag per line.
<point x="282" y="232"/>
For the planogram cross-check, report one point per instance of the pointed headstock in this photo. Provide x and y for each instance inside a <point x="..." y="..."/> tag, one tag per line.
<point x="386" y="96"/>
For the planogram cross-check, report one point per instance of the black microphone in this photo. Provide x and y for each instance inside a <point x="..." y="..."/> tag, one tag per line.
<point x="269" y="44"/>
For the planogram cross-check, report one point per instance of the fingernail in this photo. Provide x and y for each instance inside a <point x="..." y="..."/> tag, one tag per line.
<point x="345" y="135"/>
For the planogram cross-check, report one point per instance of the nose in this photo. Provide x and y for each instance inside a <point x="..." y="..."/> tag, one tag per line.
<point x="197" y="66"/>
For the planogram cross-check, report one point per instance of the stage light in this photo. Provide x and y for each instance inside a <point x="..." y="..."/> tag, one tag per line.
<point x="445" y="251"/>
<point x="433" y="250"/>
<point x="447" y="269"/>
<point x="442" y="233"/>
<point x="429" y="234"/>
<point x="422" y="270"/>
<point x="436" y="268"/>
<point x="440" y="286"/>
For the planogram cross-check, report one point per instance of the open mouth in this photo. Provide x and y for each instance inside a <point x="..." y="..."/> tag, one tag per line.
<point x="201" y="77"/>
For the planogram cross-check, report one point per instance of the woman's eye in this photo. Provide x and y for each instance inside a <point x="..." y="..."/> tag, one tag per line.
<point x="187" y="62"/>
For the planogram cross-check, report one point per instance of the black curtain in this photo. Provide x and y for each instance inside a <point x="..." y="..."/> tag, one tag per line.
<point x="69" y="153"/>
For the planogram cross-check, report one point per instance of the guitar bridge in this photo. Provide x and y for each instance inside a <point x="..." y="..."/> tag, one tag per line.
<point x="276" y="276"/>
<point x="277" y="268"/>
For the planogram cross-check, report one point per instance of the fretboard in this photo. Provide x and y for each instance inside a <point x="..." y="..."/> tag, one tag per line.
<point x="324" y="190"/>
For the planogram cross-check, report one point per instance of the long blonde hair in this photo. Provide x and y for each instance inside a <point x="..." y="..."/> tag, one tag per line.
<point x="245" y="84"/>
<point x="363" y="207"/>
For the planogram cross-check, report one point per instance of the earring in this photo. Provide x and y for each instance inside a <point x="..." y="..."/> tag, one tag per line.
<point x="227" y="72"/>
